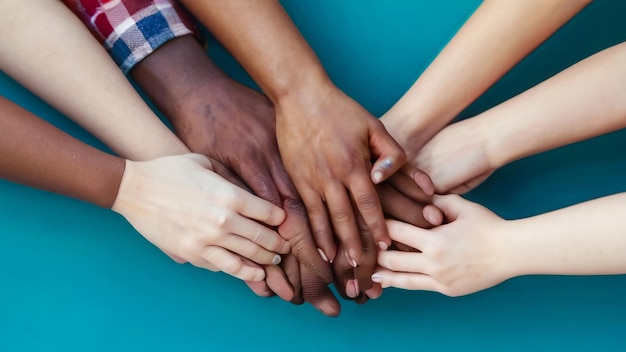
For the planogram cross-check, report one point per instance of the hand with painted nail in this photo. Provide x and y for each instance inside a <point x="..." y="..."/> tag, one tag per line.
<point x="327" y="142"/>
<point x="402" y="199"/>
<point x="458" y="258"/>
<point x="213" y="224"/>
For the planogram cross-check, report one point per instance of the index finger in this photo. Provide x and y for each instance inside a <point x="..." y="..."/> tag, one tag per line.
<point x="366" y="200"/>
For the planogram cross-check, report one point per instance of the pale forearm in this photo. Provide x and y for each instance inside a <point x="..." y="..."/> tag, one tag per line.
<point x="59" y="60"/>
<point x="583" y="101"/>
<point x="585" y="239"/>
<point x="263" y="38"/>
<point x="497" y="36"/>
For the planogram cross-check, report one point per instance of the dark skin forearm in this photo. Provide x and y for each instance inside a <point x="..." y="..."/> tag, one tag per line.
<point x="39" y="155"/>
<point x="263" y="38"/>
<point x="173" y="74"/>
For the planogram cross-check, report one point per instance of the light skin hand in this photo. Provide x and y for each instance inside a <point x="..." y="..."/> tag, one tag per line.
<point x="458" y="258"/>
<point x="212" y="222"/>
<point x="456" y="158"/>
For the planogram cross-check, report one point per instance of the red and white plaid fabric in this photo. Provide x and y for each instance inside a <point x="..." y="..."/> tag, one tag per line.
<point x="132" y="29"/>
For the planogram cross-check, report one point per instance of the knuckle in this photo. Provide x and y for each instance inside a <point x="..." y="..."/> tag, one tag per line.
<point x="294" y="205"/>
<point x="367" y="202"/>
<point x="341" y="215"/>
<point x="227" y="198"/>
<point x="233" y="267"/>
<point x="221" y="219"/>
<point x="189" y="245"/>
<point x="252" y="252"/>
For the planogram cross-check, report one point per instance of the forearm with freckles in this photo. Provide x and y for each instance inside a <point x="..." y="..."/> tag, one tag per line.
<point x="39" y="155"/>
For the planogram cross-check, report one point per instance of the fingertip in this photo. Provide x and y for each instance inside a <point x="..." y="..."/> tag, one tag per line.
<point x="433" y="215"/>
<point x="424" y="182"/>
<point x="277" y="216"/>
<point x="378" y="278"/>
<point x="383" y="168"/>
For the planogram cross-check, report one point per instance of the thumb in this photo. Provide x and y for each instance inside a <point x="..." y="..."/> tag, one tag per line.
<point x="453" y="206"/>
<point x="389" y="155"/>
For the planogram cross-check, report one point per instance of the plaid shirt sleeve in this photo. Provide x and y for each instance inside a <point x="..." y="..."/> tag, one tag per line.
<point x="132" y="29"/>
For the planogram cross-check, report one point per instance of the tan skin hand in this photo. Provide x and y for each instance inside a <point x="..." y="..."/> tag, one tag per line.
<point x="238" y="129"/>
<point x="328" y="153"/>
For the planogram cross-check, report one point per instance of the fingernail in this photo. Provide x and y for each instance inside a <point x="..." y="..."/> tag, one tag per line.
<point x="352" y="288"/>
<point x="375" y="295"/>
<point x="386" y="164"/>
<point x="378" y="176"/>
<point x="319" y="250"/>
<point x="377" y="278"/>
<point x="276" y="260"/>
<point x="350" y="260"/>
<point x="382" y="245"/>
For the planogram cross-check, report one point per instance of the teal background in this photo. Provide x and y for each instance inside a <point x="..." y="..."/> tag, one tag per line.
<point x="76" y="277"/>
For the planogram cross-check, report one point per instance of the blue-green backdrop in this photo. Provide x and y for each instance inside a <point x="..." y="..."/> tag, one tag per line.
<point x="76" y="277"/>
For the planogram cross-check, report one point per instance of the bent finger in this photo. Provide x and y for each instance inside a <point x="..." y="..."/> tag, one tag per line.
<point x="413" y="183"/>
<point x="397" y="206"/>
<point x="389" y="154"/>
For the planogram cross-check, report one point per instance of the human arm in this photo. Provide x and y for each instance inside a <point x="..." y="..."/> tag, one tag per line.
<point x="478" y="249"/>
<point x="495" y="38"/>
<point x="584" y="101"/>
<point x="327" y="141"/>
<point x="37" y="154"/>
<point x="57" y="58"/>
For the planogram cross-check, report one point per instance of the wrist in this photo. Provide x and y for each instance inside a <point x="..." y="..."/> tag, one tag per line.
<point x="175" y="72"/>
<point x="498" y="135"/>
<point x="409" y="130"/>
<point x="512" y="256"/>
<point x="306" y="88"/>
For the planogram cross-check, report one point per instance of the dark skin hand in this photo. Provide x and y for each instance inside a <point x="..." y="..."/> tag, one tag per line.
<point x="326" y="139"/>
<point x="231" y="123"/>
<point x="402" y="199"/>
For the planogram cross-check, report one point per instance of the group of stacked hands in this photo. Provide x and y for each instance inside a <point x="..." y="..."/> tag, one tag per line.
<point x="301" y="187"/>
